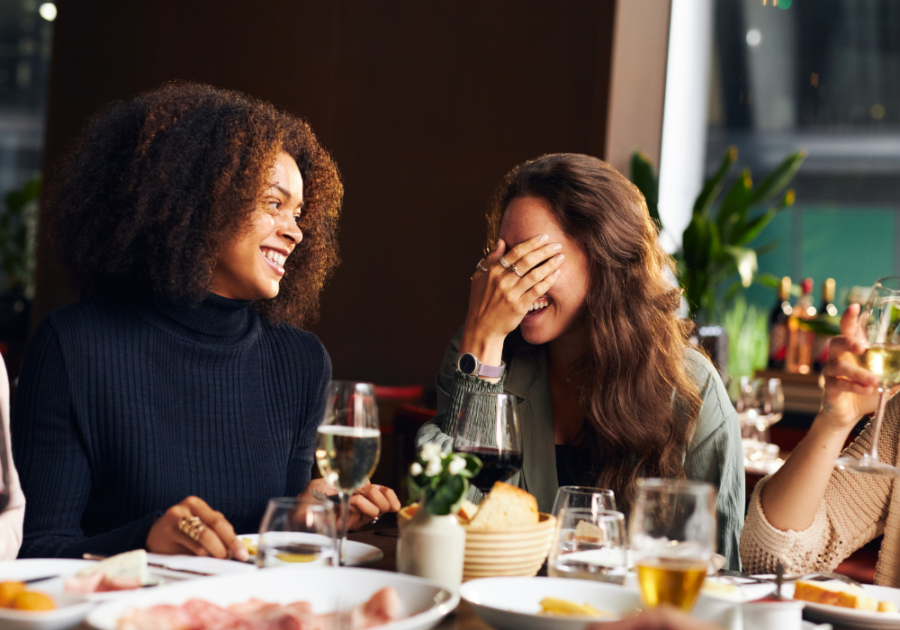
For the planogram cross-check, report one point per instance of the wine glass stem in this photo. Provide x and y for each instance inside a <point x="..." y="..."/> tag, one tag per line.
<point x="345" y="516"/>
<point x="876" y="425"/>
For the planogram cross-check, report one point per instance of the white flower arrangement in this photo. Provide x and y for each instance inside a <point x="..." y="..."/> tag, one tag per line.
<point x="441" y="480"/>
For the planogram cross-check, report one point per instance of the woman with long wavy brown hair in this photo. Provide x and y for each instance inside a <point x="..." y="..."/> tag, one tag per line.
<point x="574" y="301"/>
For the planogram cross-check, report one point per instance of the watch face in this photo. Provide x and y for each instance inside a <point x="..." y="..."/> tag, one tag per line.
<point x="467" y="364"/>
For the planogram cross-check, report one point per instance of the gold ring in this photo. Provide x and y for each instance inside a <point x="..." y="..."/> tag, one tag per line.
<point x="192" y="527"/>
<point x="515" y="271"/>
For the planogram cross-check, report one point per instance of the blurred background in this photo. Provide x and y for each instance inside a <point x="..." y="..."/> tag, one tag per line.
<point x="425" y="106"/>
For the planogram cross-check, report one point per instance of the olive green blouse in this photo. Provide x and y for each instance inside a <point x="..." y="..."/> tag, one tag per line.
<point x="713" y="455"/>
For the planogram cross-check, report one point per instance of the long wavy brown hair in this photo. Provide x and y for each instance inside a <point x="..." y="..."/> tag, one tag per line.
<point x="636" y="388"/>
<point x="155" y="185"/>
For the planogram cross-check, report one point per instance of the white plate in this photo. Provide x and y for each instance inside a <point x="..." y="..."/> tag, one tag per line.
<point x="356" y="554"/>
<point x="851" y="617"/>
<point x="513" y="603"/>
<point x="425" y="603"/>
<point x="70" y="609"/>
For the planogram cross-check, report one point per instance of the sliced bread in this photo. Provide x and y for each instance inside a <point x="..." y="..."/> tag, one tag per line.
<point x="506" y="506"/>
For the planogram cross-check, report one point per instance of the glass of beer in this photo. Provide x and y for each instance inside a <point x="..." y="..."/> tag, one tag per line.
<point x="589" y="544"/>
<point x="673" y="537"/>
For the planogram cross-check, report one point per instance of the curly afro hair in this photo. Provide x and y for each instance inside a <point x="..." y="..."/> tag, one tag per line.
<point x="156" y="184"/>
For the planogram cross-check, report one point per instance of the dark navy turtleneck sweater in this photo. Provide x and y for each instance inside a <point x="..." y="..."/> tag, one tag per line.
<point x="127" y="406"/>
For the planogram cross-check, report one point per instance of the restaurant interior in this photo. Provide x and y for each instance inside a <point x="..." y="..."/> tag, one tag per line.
<point x="425" y="106"/>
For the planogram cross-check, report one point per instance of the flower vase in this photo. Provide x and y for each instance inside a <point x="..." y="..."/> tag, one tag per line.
<point x="432" y="547"/>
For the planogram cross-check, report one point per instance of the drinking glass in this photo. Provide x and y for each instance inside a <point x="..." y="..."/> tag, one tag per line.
<point x="673" y="537"/>
<point x="583" y="497"/>
<point x="589" y="545"/>
<point x="879" y="320"/>
<point x="769" y="406"/>
<point x="348" y="443"/>
<point x="488" y="427"/>
<point x="295" y="531"/>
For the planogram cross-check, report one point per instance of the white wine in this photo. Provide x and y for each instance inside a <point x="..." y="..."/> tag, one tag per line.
<point x="884" y="360"/>
<point x="347" y="456"/>
<point x="673" y="582"/>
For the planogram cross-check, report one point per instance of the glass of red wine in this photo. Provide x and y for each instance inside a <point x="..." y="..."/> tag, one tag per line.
<point x="488" y="427"/>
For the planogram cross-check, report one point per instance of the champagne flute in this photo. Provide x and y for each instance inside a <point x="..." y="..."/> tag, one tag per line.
<point x="488" y="428"/>
<point x="583" y="497"/>
<point x="673" y="537"/>
<point x="348" y="443"/>
<point x="293" y="531"/>
<point x="589" y="544"/>
<point x="880" y="322"/>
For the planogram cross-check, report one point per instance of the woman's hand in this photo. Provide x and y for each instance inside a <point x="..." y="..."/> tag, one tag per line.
<point x="217" y="538"/>
<point x="366" y="504"/>
<point x="851" y="391"/>
<point x="501" y="298"/>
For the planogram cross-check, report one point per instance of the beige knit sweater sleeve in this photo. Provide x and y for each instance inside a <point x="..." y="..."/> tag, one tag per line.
<point x="853" y="513"/>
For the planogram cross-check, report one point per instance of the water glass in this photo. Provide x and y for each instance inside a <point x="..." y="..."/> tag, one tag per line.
<point x="583" y="497"/>
<point x="294" y="531"/>
<point x="589" y="544"/>
<point x="673" y="537"/>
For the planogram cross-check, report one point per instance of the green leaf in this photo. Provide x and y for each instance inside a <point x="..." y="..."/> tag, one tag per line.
<point x="762" y="250"/>
<point x="767" y="279"/>
<point x="823" y="326"/>
<point x="645" y="179"/>
<point x="473" y="465"/>
<point x="447" y="497"/>
<point x="713" y="185"/>
<point x="778" y="179"/>
<point x="734" y="205"/>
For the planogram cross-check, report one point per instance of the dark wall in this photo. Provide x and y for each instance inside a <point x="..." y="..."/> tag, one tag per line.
<point x="424" y="105"/>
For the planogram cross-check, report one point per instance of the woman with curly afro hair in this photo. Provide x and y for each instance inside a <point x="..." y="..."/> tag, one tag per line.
<point x="166" y="407"/>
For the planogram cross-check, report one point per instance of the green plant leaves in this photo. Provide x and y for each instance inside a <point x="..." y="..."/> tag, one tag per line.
<point x="447" y="497"/>
<point x="778" y="179"/>
<point x="442" y="479"/>
<point x="713" y="185"/>
<point x="645" y="179"/>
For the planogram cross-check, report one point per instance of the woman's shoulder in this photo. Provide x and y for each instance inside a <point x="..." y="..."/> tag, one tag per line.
<point x="716" y="407"/>
<point x="79" y="319"/>
<point x="295" y="343"/>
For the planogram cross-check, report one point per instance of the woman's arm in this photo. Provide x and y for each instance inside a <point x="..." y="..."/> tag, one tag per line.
<point x="53" y="464"/>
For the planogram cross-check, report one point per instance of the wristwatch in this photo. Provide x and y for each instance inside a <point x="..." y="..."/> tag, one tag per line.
<point x="469" y="364"/>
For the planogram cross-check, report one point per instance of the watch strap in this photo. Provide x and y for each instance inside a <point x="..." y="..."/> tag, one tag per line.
<point x="492" y="371"/>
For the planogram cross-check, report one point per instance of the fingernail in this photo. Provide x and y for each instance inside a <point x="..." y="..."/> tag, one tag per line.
<point x="557" y="272"/>
<point x="560" y="257"/>
<point x="242" y="554"/>
<point x="544" y="237"/>
<point x="556" y="246"/>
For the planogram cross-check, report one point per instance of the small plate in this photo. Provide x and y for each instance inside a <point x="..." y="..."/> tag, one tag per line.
<point x="356" y="554"/>
<point x="326" y="588"/>
<point x="513" y="603"/>
<point x="852" y="617"/>
<point x="70" y="609"/>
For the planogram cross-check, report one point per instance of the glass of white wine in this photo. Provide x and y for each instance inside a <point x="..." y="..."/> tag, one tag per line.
<point x="879" y="320"/>
<point x="348" y="443"/>
<point x="673" y="537"/>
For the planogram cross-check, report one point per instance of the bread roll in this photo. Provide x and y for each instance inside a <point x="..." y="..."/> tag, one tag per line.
<point x="506" y="506"/>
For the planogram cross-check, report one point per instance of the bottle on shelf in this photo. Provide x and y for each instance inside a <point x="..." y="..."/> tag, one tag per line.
<point x="827" y="309"/>
<point x="778" y="326"/>
<point x="800" y="337"/>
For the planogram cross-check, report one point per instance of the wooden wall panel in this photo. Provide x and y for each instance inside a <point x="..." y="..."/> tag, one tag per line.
<point x="424" y="106"/>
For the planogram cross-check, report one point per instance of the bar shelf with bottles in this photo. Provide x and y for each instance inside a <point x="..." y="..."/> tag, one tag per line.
<point x="799" y="336"/>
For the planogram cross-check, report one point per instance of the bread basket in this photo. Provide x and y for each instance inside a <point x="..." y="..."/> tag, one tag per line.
<point x="515" y="551"/>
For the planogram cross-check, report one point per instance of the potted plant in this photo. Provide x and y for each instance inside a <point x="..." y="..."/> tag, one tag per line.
<point x="717" y="244"/>
<point x="433" y="544"/>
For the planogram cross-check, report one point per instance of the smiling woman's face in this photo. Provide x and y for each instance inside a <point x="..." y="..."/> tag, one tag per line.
<point x="558" y="311"/>
<point x="251" y="266"/>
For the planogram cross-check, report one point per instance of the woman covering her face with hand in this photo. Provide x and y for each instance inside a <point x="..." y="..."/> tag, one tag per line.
<point x="166" y="407"/>
<point x="573" y="303"/>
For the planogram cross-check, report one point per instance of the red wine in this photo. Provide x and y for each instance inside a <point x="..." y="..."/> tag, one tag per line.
<point x="496" y="466"/>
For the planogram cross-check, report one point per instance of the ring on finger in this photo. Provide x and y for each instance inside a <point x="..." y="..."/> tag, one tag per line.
<point x="481" y="267"/>
<point x="515" y="271"/>
<point x="504" y="262"/>
<point x="192" y="527"/>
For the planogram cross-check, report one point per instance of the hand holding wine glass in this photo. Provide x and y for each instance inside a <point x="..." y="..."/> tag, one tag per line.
<point x="879" y="327"/>
<point x="348" y="442"/>
<point x="488" y="428"/>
